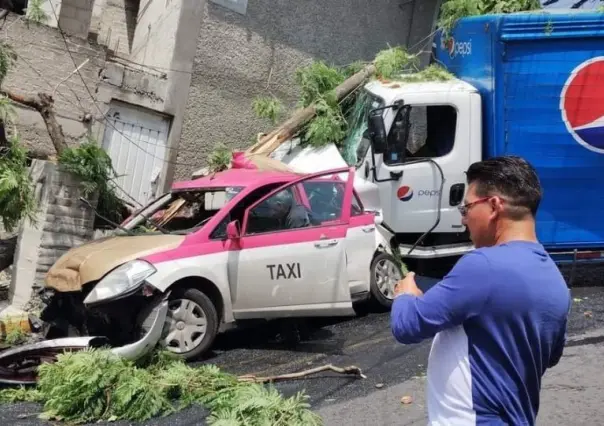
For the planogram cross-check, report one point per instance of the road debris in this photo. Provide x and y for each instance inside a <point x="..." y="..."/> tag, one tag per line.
<point x="350" y="370"/>
<point x="406" y="400"/>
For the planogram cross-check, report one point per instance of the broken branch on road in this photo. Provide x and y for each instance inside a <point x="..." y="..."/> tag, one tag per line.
<point x="350" y="370"/>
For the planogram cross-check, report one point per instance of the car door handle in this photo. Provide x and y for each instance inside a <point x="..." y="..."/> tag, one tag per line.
<point x="369" y="229"/>
<point x="326" y="244"/>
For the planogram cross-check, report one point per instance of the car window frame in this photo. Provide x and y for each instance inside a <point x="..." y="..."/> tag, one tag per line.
<point x="344" y="217"/>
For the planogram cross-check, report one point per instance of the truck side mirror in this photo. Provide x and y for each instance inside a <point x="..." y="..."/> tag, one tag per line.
<point x="396" y="148"/>
<point x="377" y="132"/>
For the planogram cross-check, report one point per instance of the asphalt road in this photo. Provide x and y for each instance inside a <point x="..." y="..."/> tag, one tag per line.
<point x="362" y="341"/>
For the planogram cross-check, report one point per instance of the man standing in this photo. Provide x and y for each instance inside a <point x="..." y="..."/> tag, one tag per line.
<point x="499" y="317"/>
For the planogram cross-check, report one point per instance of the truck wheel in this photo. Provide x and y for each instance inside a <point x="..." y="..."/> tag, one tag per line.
<point x="192" y="324"/>
<point x="385" y="274"/>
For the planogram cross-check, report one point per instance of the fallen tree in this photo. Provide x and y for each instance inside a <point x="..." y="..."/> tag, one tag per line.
<point x="95" y="385"/>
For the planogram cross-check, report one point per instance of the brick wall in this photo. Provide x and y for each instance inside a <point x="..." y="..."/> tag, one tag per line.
<point x="44" y="65"/>
<point x="44" y="62"/>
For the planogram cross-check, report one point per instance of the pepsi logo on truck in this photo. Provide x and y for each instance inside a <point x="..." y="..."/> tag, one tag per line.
<point x="455" y="48"/>
<point x="582" y="104"/>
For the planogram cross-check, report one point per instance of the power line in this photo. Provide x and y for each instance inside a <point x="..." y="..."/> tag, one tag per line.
<point x="95" y="102"/>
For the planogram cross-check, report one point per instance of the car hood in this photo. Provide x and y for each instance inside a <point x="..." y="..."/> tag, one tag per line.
<point x="91" y="261"/>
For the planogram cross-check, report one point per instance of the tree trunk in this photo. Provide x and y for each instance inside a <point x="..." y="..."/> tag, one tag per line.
<point x="292" y="125"/>
<point x="44" y="104"/>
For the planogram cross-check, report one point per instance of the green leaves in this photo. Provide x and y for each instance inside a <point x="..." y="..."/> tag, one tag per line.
<point x="268" y="107"/>
<point x="453" y="10"/>
<point x="390" y="62"/>
<point x="96" y="385"/>
<point x="93" y="166"/>
<point x="316" y="80"/>
<point x="17" y="190"/>
<point x="220" y="158"/>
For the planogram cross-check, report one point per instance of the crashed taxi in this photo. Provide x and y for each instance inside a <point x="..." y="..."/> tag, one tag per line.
<point x="236" y="245"/>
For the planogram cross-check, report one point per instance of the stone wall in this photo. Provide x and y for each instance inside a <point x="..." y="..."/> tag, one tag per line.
<point x="62" y="222"/>
<point x="242" y="55"/>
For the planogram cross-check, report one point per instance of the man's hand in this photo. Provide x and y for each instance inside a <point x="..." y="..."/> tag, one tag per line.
<point x="408" y="285"/>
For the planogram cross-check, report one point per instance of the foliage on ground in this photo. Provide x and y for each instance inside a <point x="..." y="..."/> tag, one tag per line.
<point x="96" y="385"/>
<point x="93" y="167"/>
<point x="15" y="337"/>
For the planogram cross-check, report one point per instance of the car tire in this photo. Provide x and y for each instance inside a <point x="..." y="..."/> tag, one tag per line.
<point x="198" y="303"/>
<point x="382" y="263"/>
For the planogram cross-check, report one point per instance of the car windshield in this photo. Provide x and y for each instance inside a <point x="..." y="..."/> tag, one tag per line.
<point x="180" y="212"/>
<point x="358" y="139"/>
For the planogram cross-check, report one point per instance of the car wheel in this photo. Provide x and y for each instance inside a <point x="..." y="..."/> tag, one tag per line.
<point x="385" y="274"/>
<point x="192" y="324"/>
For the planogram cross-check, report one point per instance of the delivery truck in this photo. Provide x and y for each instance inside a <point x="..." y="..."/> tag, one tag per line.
<point x="526" y="84"/>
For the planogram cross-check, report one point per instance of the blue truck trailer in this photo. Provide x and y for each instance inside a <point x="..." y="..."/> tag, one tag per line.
<point x="527" y="84"/>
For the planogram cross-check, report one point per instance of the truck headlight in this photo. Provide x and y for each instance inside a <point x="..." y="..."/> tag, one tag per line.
<point x="121" y="280"/>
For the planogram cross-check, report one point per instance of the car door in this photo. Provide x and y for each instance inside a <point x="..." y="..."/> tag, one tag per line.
<point x="283" y="271"/>
<point x="360" y="246"/>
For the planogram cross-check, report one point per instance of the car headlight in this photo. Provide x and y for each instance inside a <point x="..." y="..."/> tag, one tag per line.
<point x="121" y="280"/>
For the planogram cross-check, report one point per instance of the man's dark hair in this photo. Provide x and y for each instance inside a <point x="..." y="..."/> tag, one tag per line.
<point x="510" y="177"/>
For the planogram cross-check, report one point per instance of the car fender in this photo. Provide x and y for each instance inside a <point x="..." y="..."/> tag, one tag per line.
<point x="212" y="268"/>
<point x="382" y="239"/>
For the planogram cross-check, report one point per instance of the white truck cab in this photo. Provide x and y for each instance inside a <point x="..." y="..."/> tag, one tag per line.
<point x="433" y="135"/>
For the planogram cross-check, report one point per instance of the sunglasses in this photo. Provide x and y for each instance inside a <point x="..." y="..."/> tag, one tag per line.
<point x="463" y="209"/>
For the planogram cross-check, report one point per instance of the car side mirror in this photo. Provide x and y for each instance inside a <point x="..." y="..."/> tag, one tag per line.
<point x="233" y="230"/>
<point x="377" y="131"/>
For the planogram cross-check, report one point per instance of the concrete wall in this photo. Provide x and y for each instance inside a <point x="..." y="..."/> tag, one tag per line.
<point x="240" y="55"/>
<point x="62" y="222"/>
<point x="155" y="36"/>
<point x="44" y="65"/>
<point x="165" y="42"/>
<point x="114" y="23"/>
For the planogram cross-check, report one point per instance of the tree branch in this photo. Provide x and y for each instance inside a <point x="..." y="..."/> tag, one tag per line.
<point x="350" y="370"/>
<point x="44" y="104"/>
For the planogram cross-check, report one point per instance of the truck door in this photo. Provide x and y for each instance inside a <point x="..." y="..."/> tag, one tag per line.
<point x="438" y="139"/>
<point x="292" y="268"/>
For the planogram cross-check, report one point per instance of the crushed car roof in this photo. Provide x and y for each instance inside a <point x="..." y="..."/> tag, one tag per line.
<point x="236" y="177"/>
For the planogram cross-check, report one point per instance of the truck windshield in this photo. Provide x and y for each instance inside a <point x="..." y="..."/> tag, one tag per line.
<point x="181" y="212"/>
<point x="358" y="140"/>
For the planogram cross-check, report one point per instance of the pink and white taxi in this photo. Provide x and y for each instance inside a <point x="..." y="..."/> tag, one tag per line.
<point x="236" y="245"/>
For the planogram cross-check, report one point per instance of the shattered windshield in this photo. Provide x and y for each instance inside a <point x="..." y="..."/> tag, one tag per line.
<point x="181" y="212"/>
<point x="357" y="142"/>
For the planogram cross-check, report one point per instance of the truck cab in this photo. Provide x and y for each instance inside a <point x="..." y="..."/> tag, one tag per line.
<point x="525" y="84"/>
<point x="431" y="141"/>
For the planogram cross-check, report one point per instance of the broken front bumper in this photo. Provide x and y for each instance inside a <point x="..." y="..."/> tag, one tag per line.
<point x="19" y="365"/>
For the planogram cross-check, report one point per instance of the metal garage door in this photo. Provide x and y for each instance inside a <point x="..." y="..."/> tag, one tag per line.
<point x="136" y="140"/>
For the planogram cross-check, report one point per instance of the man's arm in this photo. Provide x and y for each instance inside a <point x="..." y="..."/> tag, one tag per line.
<point x="558" y="350"/>
<point x="458" y="297"/>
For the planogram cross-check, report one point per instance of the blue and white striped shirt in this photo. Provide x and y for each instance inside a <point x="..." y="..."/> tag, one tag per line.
<point x="499" y="321"/>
